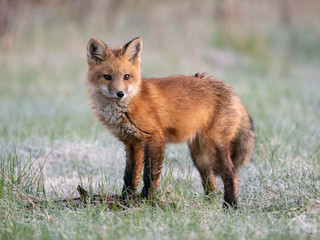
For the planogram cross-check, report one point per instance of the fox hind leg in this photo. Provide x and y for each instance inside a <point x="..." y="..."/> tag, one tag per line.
<point x="228" y="174"/>
<point x="204" y="165"/>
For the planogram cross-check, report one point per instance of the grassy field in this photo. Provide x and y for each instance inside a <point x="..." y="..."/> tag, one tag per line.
<point x="50" y="141"/>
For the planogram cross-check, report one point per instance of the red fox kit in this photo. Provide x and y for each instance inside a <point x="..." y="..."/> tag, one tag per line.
<point x="145" y="114"/>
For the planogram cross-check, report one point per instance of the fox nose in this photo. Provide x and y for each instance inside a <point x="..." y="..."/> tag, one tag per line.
<point x="120" y="94"/>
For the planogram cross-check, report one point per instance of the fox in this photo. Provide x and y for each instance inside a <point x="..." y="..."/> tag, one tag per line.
<point x="145" y="114"/>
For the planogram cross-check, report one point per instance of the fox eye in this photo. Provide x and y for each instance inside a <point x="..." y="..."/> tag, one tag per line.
<point x="126" y="76"/>
<point x="107" y="77"/>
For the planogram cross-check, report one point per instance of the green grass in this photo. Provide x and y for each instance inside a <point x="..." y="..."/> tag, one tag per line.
<point x="50" y="141"/>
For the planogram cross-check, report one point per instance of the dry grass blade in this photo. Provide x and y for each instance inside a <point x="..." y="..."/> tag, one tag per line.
<point x="31" y="202"/>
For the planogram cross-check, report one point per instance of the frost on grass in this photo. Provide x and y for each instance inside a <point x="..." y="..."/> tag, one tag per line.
<point x="67" y="164"/>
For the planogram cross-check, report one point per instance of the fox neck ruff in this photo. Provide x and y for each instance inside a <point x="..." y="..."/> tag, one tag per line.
<point x="114" y="115"/>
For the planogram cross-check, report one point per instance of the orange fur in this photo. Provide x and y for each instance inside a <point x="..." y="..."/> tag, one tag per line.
<point x="145" y="114"/>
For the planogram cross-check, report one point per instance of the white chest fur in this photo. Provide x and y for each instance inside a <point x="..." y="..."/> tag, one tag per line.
<point x="113" y="114"/>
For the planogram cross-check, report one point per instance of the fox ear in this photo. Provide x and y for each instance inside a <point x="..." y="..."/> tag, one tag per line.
<point x="97" y="51"/>
<point x="132" y="51"/>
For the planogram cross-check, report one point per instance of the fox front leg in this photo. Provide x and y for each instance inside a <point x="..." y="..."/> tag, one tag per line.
<point x="134" y="164"/>
<point x="153" y="159"/>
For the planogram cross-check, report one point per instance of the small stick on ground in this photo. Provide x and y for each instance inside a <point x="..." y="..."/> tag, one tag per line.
<point x="111" y="201"/>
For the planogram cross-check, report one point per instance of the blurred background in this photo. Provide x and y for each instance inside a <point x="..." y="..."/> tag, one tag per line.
<point x="179" y="36"/>
<point x="268" y="51"/>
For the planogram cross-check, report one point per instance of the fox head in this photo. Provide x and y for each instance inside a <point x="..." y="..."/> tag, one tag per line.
<point x="114" y="73"/>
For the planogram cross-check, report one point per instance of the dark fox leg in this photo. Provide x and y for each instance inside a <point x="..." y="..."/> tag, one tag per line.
<point x="134" y="164"/>
<point x="204" y="166"/>
<point x="227" y="172"/>
<point x="153" y="159"/>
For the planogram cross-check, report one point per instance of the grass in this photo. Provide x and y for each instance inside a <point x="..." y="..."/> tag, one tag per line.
<point x="50" y="141"/>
